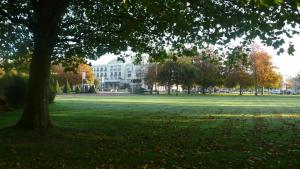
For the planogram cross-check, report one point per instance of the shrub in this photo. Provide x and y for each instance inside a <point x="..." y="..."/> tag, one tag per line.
<point x="92" y="89"/>
<point x="67" y="88"/>
<point x="57" y="88"/>
<point x="77" y="89"/>
<point x="16" y="91"/>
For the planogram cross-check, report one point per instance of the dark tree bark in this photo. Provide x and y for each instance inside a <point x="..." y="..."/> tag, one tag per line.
<point x="189" y="89"/>
<point x="169" y="88"/>
<point x="45" y="30"/>
<point x="241" y="90"/>
<point x="262" y="90"/>
<point x="203" y="90"/>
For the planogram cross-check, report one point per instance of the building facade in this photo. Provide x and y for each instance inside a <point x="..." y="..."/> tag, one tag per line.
<point x="117" y="75"/>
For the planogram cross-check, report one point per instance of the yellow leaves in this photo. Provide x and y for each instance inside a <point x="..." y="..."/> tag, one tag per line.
<point x="263" y="69"/>
<point x="2" y="72"/>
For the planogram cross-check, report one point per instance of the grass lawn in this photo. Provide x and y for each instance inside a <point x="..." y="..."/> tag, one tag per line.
<point x="210" y="132"/>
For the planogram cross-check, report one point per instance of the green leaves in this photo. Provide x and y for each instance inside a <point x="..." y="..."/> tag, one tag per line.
<point x="92" y="28"/>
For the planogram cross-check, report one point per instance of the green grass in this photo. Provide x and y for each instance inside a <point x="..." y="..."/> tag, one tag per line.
<point x="210" y="132"/>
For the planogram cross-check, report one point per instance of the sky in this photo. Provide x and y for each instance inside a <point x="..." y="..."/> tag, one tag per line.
<point x="287" y="65"/>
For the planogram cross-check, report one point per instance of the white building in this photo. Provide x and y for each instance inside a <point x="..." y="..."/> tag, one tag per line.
<point x="117" y="75"/>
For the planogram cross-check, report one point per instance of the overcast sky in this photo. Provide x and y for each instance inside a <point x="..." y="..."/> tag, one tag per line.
<point x="287" y="65"/>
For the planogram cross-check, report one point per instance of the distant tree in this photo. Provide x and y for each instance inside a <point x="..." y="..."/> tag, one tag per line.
<point x="97" y="83"/>
<point x="209" y="70"/>
<point x="264" y="73"/>
<point x="74" y="78"/>
<point x="166" y="75"/>
<point x="67" y="88"/>
<point x="188" y="76"/>
<point x="57" y="88"/>
<point x="296" y="80"/>
<point x="274" y="80"/>
<point x="92" y="89"/>
<point x="151" y="76"/>
<point x="242" y="79"/>
<point x="77" y="89"/>
<point x="237" y="69"/>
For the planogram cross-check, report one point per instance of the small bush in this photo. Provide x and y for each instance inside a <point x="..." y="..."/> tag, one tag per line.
<point x="16" y="91"/>
<point x="77" y="89"/>
<point x="92" y="89"/>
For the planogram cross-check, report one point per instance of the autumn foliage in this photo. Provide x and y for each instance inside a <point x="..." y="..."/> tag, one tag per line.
<point x="74" y="78"/>
<point x="264" y="73"/>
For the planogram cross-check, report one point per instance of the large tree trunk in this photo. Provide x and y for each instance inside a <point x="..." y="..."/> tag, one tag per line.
<point x="48" y="14"/>
<point x="189" y="89"/>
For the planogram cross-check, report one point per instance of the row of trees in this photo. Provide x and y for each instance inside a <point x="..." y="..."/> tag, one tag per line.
<point x="239" y="69"/>
<point x="72" y="81"/>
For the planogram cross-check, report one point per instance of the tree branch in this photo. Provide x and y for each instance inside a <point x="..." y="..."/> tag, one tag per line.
<point x="15" y="20"/>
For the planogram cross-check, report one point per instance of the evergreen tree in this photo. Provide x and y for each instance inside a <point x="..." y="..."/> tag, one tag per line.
<point x="67" y="88"/>
<point x="57" y="88"/>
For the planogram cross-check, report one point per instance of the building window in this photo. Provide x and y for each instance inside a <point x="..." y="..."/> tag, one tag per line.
<point x="129" y="73"/>
<point x="101" y="69"/>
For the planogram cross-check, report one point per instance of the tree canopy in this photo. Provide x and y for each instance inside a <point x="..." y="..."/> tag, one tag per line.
<point x="70" y="31"/>
<point x="91" y="28"/>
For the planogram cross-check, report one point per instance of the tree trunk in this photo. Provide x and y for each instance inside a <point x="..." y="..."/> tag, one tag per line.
<point x="241" y="91"/>
<point x="189" y="90"/>
<point x="203" y="90"/>
<point x="169" y="89"/>
<point x="45" y="31"/>
<point x="256" y="90"/>
<point x="262" y="90"/>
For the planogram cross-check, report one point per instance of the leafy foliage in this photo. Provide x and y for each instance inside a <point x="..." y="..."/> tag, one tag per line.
<point x="263" y="70"/>
<point x="92" y="89"/>
<point x="209" y="68"/>
<point x="91" y="28"/>
<point x="16" y="91"/>
<point x="237" y="69"/>
<point x="75" y="78"/>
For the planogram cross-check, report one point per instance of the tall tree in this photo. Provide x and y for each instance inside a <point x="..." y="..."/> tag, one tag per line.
<point x="263" y="70"/>
<point x="188" y="76"/>
<point x="74" y="77"/>
<point x="209" y="69"/>
<point x="151" y="76"/>
<point x="237" y="69"/>
<point x="166" y="75"/>
<point x="68" y="30"/>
